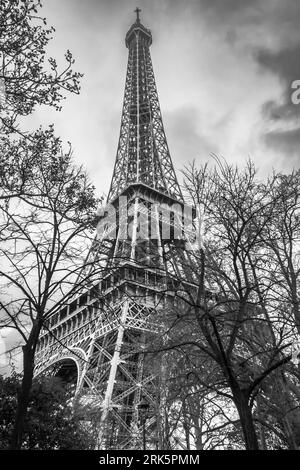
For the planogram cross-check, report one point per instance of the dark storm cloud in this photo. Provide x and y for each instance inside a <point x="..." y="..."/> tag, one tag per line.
<point x="286" y="65"/>
<point x="285" y="62"/>
<point x="286" y="142"/>
<point x="281" y="59"/>
<point x="276" y="24"/>
<point x="275" y="112"/>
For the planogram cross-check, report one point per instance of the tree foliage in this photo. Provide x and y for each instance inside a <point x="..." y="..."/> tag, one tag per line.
<point x="52" y="422"/>
<point x="28" y="80"/>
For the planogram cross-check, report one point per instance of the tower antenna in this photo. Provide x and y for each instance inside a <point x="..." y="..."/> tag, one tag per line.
<point x="137" y="11"/>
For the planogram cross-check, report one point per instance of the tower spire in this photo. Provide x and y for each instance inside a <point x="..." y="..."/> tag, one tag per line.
<point x="137" y="11"/>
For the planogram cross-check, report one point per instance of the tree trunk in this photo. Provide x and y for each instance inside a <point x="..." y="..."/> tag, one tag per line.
<point x="25" y="389"/>
<point x="198" y="425"/>
<point x="246" y="419"/>
<point x="186" y="425"/>
<point x="198" y="438"/>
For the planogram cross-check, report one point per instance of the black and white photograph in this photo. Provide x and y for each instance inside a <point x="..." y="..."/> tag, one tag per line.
<point x="149" y="229"/>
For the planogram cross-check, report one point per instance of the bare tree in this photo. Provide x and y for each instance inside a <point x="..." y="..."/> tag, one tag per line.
<point x="281" y="237"/>
<point x="199" y="418"/>
<point x="235" y="317"/>
<point x="32" y="163"/>
<point x="44" y="240"/>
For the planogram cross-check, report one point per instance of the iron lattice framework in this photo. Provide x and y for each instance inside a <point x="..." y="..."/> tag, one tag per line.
<point x="107" y="330"/>
<point x="143" y="154"/>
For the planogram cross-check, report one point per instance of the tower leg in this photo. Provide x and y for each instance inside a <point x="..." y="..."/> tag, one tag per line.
<point x="112" y="377"/>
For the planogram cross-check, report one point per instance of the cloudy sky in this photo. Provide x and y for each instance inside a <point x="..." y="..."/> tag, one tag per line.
<point x="223" y="69"/>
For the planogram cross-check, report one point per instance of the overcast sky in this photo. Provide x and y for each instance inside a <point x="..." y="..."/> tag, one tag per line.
<point x="223" y="70"/>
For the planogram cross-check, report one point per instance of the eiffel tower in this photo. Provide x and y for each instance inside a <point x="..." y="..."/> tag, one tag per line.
<point x="101" y="338"/>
